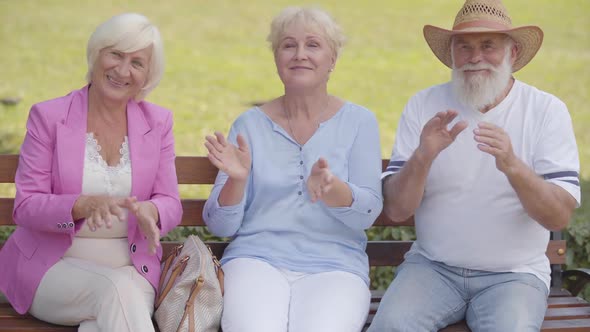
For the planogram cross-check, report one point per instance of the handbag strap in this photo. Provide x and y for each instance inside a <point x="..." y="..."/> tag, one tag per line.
<point x="167" y="264"/>
<point x="220" y="278"/>
<point x="220" y="273"/>
<point x="176" y="271"/>
<point x="189" y="308"/>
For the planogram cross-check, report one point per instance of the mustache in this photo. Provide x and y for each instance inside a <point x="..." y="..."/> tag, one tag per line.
<point x="478" y="66"/>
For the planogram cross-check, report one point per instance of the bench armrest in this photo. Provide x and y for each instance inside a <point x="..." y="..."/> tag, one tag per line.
<point x="575" y="280"/>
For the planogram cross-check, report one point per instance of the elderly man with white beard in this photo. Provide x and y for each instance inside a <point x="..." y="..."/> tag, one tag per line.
<point x="487" y="165"/>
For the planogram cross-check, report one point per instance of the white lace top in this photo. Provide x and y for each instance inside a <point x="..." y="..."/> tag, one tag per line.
<point x="104" y="246"/>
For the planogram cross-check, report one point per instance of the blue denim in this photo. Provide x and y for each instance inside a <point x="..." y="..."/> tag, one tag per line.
<point x="427" y="296"/>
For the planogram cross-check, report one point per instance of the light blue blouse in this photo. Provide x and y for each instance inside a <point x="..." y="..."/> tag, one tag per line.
<point x="276" y="221"/>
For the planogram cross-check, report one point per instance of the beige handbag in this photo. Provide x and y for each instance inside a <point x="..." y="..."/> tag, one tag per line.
<point x="190" y="297"/>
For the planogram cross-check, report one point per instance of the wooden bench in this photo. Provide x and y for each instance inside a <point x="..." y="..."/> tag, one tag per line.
<point x="565" y="312"/>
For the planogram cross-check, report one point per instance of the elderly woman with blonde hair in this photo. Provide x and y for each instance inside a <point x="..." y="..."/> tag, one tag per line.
<point x="299" y="183"/>
<point x="95" y="189"/>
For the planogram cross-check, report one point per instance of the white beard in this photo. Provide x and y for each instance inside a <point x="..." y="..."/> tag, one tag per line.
<point x="481" y="90"/>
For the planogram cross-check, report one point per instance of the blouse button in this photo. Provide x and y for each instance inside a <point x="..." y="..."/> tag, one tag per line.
<point x="133" y="247"/>
<point x="299" y="193"/>
<point x="301" y="162"/>
<point x="369" y="211"/>
<point x="301" y="177"/>
<point x="144" y="269"/>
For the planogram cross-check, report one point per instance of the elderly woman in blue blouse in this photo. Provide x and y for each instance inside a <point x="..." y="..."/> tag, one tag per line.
<point x="298" y="185"/>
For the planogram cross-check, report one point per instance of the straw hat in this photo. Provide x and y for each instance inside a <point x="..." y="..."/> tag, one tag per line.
<point x="484" y="16"/>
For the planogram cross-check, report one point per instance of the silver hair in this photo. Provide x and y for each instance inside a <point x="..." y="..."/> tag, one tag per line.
<point x="128" y="33"/>
<point x="313" y="19"/>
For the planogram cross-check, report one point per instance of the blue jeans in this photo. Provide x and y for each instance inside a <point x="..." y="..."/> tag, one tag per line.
<point x="427" y="296"/>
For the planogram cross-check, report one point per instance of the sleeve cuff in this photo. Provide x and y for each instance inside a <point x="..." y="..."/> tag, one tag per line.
<point x="357" y="202"/>
<point x="571" y="188"/>
<point x="386" y="174"/>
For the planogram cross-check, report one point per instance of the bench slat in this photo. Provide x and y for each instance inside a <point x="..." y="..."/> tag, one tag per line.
<point x="8" y="163"/>
<point x="12" y="321"/>
<point x="190" y="169"/>
<point x="195" y="170"/>
<point x="566" y="302"/>
<point x="550" y="314"/>
<point x="570" y="325"/>
<point x="567" y="313"/>
<point x="381" y="253"/>
<point x="192" y="214"/>
<point x="386" y="253"/>
<point x="557" y="298"/>
<point x="6" y="205"/>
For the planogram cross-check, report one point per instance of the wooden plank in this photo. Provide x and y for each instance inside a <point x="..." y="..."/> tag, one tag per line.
<point x="195" y="170"/>
<point x="33" y="325"/>
<point x="393" y="255"/>
<point x="8" y="163"/>
<point x="381" y="253"/>
<point x="6" y="205"/>
<point x="387" y="253"/>
<point x="189" y="169"/>
<point x="556" y="251"/>
<point x="571" y="325"/>
<point x="193" y="215"/>
<point x="575" y="323"/>
<point x="192" y="212"/>
<point x="383" y="220"/>
<point x="216" y="247"/>
<point x="579" y="312"/>
<point x="6" y="311"/>
<point x="384" y="253"/>
<point x="566" y="302"/>
<point x="377" y="295"/>
<point x="458" y="327"/>
<point x="567" y="313"/>
<point x="570" y="321"/>
<point x="559" y="292"/>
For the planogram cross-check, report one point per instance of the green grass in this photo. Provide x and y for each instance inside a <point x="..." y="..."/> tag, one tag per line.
<point x="218" y="61"/>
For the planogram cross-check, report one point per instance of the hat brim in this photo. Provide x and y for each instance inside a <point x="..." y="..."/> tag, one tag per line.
<point x="528" y="38"/>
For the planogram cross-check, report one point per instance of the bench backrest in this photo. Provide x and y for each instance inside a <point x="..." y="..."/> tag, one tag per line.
<point x="199" y="171"/>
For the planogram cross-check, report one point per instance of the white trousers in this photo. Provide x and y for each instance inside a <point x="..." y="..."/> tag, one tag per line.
<point x="261" y="298"/>
<point x="99" y="298"/>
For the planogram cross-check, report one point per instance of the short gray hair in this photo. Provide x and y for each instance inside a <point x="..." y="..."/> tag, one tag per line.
<point x="313" y="19"/>
<point x="128" y="33"/>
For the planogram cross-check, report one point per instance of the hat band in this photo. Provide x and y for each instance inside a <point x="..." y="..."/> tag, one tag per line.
<point x="481" y="24"/>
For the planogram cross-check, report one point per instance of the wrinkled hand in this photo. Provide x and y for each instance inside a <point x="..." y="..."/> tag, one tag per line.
<point x="146" y="214"/>
<point x="494" y="140"/>
<point x="234" y="161"/>
<point x="99" y="210"/>
<point x="320" y="180"/>
<point x="435" y="136"/>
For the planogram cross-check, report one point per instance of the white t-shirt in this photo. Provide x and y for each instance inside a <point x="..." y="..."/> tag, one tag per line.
<point x="470" y="216"/>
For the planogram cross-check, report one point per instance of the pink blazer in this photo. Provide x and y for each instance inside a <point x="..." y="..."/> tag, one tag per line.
<point x="49" y="180"/>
